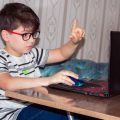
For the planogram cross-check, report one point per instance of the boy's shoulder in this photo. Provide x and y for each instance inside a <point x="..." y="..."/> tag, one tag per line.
<point x="37" y="51"/>
<point x="33" y="52"/>
<point x="3" y="55"/>
<point x="2" y="51"/>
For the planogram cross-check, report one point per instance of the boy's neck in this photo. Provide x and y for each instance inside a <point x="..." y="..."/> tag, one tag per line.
<point x="11" y="52"/>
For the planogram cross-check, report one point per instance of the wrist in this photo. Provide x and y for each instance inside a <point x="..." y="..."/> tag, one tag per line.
<point x="74" y="43"/>
<point x="44" y="81"/>
<point x="48" y="81"/>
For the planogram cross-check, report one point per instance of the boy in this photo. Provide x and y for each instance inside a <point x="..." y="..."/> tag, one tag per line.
<point x="20" y="62"/>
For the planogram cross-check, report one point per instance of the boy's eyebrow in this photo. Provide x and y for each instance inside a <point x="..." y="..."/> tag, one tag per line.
<point x="28" y="30"/>
<point x="25" y="31"/>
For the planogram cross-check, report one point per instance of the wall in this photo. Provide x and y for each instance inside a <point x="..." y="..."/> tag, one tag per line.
<point x="97" y="17"/>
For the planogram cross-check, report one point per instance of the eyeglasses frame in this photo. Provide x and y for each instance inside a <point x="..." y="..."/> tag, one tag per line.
<point x="31" y="34"/>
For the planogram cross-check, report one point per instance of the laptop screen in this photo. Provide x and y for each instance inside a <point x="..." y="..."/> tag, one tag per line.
<point x="114" y="77"/>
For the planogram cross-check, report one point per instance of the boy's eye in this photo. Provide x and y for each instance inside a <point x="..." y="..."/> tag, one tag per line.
<point x="26" y="36"/>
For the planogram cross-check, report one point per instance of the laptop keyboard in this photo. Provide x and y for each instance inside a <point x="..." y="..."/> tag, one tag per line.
<point x="88" y="88"/>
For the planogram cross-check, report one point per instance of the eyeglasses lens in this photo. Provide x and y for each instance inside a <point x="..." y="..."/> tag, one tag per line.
<point x="27" y="36"/>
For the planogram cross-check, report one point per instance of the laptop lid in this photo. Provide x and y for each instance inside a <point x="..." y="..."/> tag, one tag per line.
<point x="114" y="73"/>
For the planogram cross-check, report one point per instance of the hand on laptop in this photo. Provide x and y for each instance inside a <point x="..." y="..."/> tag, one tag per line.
<point x="63" y="77"/>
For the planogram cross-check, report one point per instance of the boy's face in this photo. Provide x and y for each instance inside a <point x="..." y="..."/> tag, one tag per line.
<point x="15" y="45"/>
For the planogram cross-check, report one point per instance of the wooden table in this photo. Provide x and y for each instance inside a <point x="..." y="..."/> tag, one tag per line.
<point x="102" y="108"/>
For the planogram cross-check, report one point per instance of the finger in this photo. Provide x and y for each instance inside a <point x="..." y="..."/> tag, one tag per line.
<point x="70" y="73"/>
<point x="68" y="81"/>
<point x="74" y="25"/>
<point x="73" y="37"/>
<point x="83" y="35"/>
<point x="80" y="33"/>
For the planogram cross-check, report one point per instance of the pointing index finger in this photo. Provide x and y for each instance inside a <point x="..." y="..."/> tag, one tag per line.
<point x="74" y="25"/>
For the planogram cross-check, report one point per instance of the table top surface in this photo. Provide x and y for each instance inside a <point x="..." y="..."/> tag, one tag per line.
<point x="98" y="107"/>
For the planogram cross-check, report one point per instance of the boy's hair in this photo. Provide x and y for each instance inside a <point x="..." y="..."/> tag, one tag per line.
<point x="14" y="15"/>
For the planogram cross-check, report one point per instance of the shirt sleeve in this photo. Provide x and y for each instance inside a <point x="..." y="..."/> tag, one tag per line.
<point x="3" y="65"/>
<point x="41" y="56"/>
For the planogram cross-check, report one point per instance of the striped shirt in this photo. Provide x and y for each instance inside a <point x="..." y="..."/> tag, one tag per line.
<point x="24" y="66"/>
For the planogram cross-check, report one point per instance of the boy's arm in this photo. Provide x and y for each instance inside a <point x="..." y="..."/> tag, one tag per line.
<point x="67" y="50"/>
<point x="7" y="82"/>
<point x="61" y="54"/>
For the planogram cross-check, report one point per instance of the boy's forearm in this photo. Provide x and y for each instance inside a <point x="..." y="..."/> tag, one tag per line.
<point x="68" y="49"/>
<point x="26" y="83"/>
<point x="63" y="53"/>
<point x="17" y="83"/>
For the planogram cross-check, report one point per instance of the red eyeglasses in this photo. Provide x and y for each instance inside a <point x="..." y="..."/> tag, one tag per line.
<point x="27" y="36"/>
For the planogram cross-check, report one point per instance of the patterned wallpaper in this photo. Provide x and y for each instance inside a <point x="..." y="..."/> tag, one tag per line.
<point x="97" y="17"/>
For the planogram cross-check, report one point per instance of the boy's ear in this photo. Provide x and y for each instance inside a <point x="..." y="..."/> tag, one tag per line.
<point x="5" y="35"/>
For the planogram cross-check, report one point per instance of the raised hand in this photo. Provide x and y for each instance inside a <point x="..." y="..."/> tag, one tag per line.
<point x="77" y="33"/>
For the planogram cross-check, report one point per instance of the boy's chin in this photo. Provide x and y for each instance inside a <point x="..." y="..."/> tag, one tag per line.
<point x="28" y="50"/>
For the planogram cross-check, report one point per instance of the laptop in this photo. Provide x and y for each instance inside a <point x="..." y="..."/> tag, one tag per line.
<point x="114" y="73"/>
<point x="103" y="87"/>
<point x="93" y="77"/>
